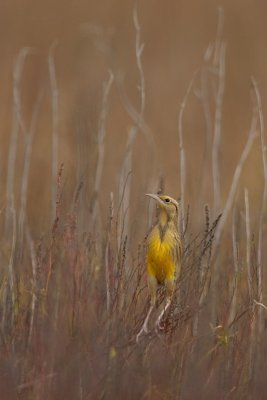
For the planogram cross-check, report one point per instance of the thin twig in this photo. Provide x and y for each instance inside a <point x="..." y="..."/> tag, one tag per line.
<point x="34" y="283"/>
<point x="125" y="177"/>
<point x="17" y="75"/>
<point x="248" y="243"/>
<point x="102" y="131"/>
<point x="11" y="262"/>
<point x="135" y="115"/>
<point x="101" y="145"/>
<point x="236" y="177"/>
<point x="217" y="131"/>
<point x="26" y="166"/>
<point x="108" y="254"/>
<point x="264" y="195"/>
<point x="55" y="116"/>
<point x="182" y="150"/>
<point x="232" y="311"/>
<point x="229" y="204"/>
<point x="125" y="186"/>
<point x="139" y="47"/>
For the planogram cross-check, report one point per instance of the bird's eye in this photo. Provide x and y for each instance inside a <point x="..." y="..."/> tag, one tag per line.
<point x="167" y="200"/>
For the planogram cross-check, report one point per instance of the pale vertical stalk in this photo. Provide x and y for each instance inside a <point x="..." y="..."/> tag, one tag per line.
<point x="217" y="131"/>
<point x="26" y="167"/>
<point x="234" y="288"/>
<point x="135" y="116"/>
<point x="263" y="205"/>
<point x="17" y="74"/>
<point x="204" y="182"/>
<point x="204" y="95"/>
<point x="252" y="341"/>
<point x="219" y="65"/>
<point x="11" y="168"/>
<point x="248" y="244"/>
<point x="102" y="132"/>
<point x="10" y="283"/>
<point x="4" y="302"/>
<point x="55" y="115"/>
<point x="139" y="47"/>
<point x="120" y="216"/>
<point x="235" y="181"/>
<point x="125" y="176"/>
<point x="260" y="261"/>
<point x="182" y="152"/>
<point x="219" y="34"/>
<point x="138" y="116"/>
<point x="108" y="255"/>
<point x="202" y="277"/>
<point x="228" y="207"/>
<point x="125" y="186"/>
<point x="34" y="283"/>
<point x="11" y="262"/>
<point x="101" y="145"/>
<point x="252" y="351"/>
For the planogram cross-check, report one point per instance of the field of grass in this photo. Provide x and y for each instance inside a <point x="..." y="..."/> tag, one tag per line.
<point x="73" y="295"/>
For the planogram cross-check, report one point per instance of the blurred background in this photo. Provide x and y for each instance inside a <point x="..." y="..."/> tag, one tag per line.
<point x="87" y="40"/>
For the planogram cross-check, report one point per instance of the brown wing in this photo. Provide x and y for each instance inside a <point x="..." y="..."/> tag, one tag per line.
<point x="177" y="254"/>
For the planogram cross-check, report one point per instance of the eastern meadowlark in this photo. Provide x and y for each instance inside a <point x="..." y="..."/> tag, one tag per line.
<point x="164" y="252"/>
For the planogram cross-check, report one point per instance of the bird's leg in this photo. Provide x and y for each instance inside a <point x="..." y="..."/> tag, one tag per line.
<point x="170" y="288"/>
<point x="152" y="285"/>
<point x="145" y="324"/>
<point x="158" y="322"/>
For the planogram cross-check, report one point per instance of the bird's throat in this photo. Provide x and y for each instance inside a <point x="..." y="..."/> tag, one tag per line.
<point x="163" y="224"/>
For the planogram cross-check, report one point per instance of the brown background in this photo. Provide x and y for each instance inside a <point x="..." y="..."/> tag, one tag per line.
<point x="176" y="35"/>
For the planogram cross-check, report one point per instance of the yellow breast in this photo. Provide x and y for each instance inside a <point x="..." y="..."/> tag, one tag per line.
<point x="160" y="255"/>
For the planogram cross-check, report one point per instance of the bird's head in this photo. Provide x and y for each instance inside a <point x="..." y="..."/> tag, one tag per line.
<point x="166" y="203"/>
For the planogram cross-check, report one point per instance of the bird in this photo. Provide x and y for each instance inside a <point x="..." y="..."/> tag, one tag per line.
<point x="164" y="254"/>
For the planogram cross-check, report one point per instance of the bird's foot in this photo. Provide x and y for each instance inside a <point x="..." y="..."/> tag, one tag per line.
<point x="144" y="328"/>
<point x="144" y="331"/>
<point x="159" y="326"/>
<point x="160" y="323"/>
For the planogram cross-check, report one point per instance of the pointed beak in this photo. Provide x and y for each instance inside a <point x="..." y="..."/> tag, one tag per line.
<point x="155" y="197"/>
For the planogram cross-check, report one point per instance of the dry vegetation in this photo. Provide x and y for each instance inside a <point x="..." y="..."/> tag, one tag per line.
<point x="73" y="299"/>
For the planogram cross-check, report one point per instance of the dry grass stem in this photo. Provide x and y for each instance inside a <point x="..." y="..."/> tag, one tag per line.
<point x="182" y="151"/>
<point x="55" y="116"/>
